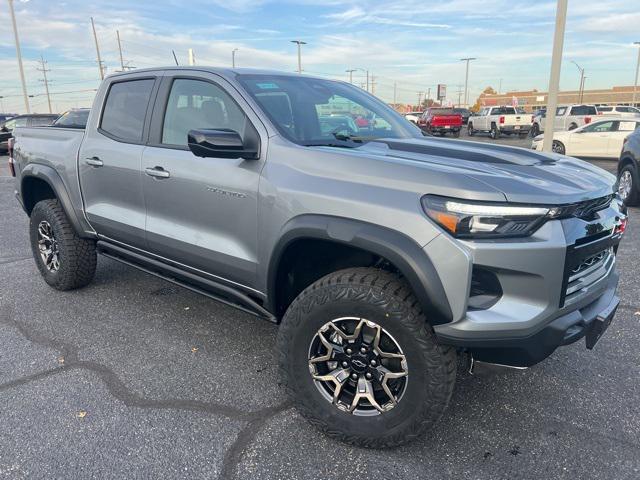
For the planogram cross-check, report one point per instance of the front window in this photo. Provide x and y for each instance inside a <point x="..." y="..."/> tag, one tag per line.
<point x="311" y="111"/>
<point x="600" y="127"/>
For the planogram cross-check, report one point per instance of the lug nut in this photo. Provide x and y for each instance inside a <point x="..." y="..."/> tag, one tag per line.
<point x="345" y="364"/>
<point x="368" y="375"/>
<point x="373" y="363"/>
<point x="363" y="350"/>
<point x="349" y="351"/>
<point x="354" y="376"/>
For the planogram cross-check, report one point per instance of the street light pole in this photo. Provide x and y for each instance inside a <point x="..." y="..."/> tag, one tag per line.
<point x="554" y="76"/>
<point x="350" y="72"/>
<point x="19" y="55"/>
<point x="635" y="85"/>
<point x="233" y="57"/>
<point x="466" y="80"/>
<point x="299" y="43"/>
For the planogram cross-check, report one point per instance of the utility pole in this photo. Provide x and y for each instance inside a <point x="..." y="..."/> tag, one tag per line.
<point x="554" y="76"/>
<point x="44" y="71"/>
<point x="395" y="88"/>
<point x="635" y="85"/>
<point x="19" y="55"/>
<point x="500" y="87"/>
<point x="367" y="80"/>
<point x="466" y="80"/>
<point x="120" y="50"/>
<point x="299" y="43"/>
<point x="373" y="85"/>
<point x="420" y="99"/>
<point x="350" y="72"/>
<point x="95" y="38"/>
<point x="175" y="59"/>
<point x="428" y="96"/>
<point x="192" y="57"/>
<point x="581" y="81"/>
<point x="233" y="57"/>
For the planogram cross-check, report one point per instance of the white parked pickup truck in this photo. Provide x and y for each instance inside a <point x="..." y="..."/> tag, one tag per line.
<point x="499" y="120"/>
<point x="567" y="118"/>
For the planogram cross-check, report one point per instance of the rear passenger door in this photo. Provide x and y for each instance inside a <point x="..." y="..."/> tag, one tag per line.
<point x="110" y="159"/>
<point x="201" y="212"/>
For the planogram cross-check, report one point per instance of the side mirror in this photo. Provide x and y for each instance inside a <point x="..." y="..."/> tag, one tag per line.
<point x="224" y="143"/>
<point x="4" y="129"/>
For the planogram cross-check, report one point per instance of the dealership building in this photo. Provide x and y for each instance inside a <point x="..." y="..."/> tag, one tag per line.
<point x="532" y="100"/>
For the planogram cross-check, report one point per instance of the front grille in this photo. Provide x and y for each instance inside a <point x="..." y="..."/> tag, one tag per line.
<point x="587" y="272"/>
<point x="588" y="208"/>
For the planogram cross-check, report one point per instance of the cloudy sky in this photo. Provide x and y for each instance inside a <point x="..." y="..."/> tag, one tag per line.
<point x="414" y="43"/>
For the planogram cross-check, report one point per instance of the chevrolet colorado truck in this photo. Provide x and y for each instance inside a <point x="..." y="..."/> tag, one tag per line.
<point x="500" y="120"/>
<point x="380" y="253"/>
<point x="567" y="118"/>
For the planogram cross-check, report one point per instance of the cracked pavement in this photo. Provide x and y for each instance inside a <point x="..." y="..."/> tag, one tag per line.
<point x="134" y="377"/>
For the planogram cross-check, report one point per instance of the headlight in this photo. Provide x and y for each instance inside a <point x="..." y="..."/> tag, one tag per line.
<point x="538" y="138"/>
<point x="465" y="219"/>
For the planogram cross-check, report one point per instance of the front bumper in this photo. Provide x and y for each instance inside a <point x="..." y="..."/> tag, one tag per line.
<point x="543" y="302"/>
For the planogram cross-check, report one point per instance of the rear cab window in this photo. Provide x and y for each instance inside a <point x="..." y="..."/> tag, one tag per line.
<point x="125" y="109"/>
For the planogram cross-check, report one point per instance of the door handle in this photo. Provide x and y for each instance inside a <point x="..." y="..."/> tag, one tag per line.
<point x="93" y="161"/>
<point x="157" y="172"/>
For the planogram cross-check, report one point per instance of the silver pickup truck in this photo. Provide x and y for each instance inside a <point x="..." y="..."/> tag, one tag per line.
<point x="381" y="254"/>
<point x="500" y="120"/>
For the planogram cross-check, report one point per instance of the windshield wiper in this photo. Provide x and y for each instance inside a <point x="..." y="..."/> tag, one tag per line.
<point x="329" y="144"/>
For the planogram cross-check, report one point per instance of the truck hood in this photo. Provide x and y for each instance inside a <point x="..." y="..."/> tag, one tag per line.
<point x="521" y="175"/>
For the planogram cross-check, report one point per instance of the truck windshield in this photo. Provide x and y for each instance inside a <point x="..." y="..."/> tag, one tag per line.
<point x="312" y="111"/>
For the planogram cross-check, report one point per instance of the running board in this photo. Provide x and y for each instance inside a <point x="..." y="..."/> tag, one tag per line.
<point x="188" y="280"/>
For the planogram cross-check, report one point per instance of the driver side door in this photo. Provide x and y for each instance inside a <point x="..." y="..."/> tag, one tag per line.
<point x="592" y="140"/>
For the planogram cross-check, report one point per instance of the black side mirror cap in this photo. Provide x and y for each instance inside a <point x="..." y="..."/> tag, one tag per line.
<point x="224" y="143"/>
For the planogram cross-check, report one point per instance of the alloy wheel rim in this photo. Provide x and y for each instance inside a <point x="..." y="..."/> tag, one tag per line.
<point x="358" y="366"/>
<point x="625" y="184"/>
<point x="48" y="247"/>
<point x="557" y="148"/>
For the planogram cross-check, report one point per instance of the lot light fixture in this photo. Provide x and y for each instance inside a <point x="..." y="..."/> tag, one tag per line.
<point x="299" y="43"/>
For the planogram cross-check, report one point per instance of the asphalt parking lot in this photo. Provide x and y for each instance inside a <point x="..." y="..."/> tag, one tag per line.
<point x="133" y="377"/>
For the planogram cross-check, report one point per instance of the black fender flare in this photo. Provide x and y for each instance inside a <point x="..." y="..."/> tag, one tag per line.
<point x="52" y="178"/>
<point x="398" y="248"/>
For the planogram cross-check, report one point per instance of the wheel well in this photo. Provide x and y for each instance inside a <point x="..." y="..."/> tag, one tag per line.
<point x="624" y="162"/>
<point x="306" y="260"/>
<point x="35" y="190"/>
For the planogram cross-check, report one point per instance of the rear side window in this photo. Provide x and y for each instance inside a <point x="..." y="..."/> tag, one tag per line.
<point x="125" y="109"/>
<point x="42" y="121"/>
<point x="583" y="110"/>
<point x="605" y="109"/>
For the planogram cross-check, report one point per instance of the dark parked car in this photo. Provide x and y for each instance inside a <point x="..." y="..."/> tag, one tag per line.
<point x="29" y="120"/>
<point x="629" y="169"/>
<point x="465" y="113"/>
<point x="6" y="116"/>
<point x="74" y="118"/>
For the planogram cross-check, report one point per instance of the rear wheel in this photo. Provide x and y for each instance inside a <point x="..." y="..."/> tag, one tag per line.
<point x="558" y="147"/>
<point x="456" y="133"/>
<point x="65" y="260"/>
<point x="494" y="132"/>
<point x="360" y="362"/>
<point x="628" y="186"/>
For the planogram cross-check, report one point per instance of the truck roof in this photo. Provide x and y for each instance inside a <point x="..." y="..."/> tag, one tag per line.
<point x="224" y="72"/>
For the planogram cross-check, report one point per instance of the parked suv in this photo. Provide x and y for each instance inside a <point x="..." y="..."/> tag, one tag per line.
<point x="567" y="118"/>
<point x="381" y="254"/>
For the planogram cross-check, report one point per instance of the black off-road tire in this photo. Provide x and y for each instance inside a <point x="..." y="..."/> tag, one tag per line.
<point x="456" y="134"/>
<point x="77" y="256"/>
<point x="470" y="131"/>
<point x="387" y="300"/>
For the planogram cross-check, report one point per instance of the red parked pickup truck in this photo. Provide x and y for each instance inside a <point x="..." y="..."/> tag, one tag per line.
<point x="441" y="121"/>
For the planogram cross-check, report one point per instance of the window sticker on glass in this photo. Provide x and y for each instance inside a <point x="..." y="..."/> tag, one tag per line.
<point x="267" y="86"/>
<point x="627" y="126"/>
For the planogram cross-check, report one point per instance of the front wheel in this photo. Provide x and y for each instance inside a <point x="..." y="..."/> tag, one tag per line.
<point x="470" y="130"/>
<point x="360" y="361"/>
<point x="628" y="187"/>
<point x="65" y="260"/>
